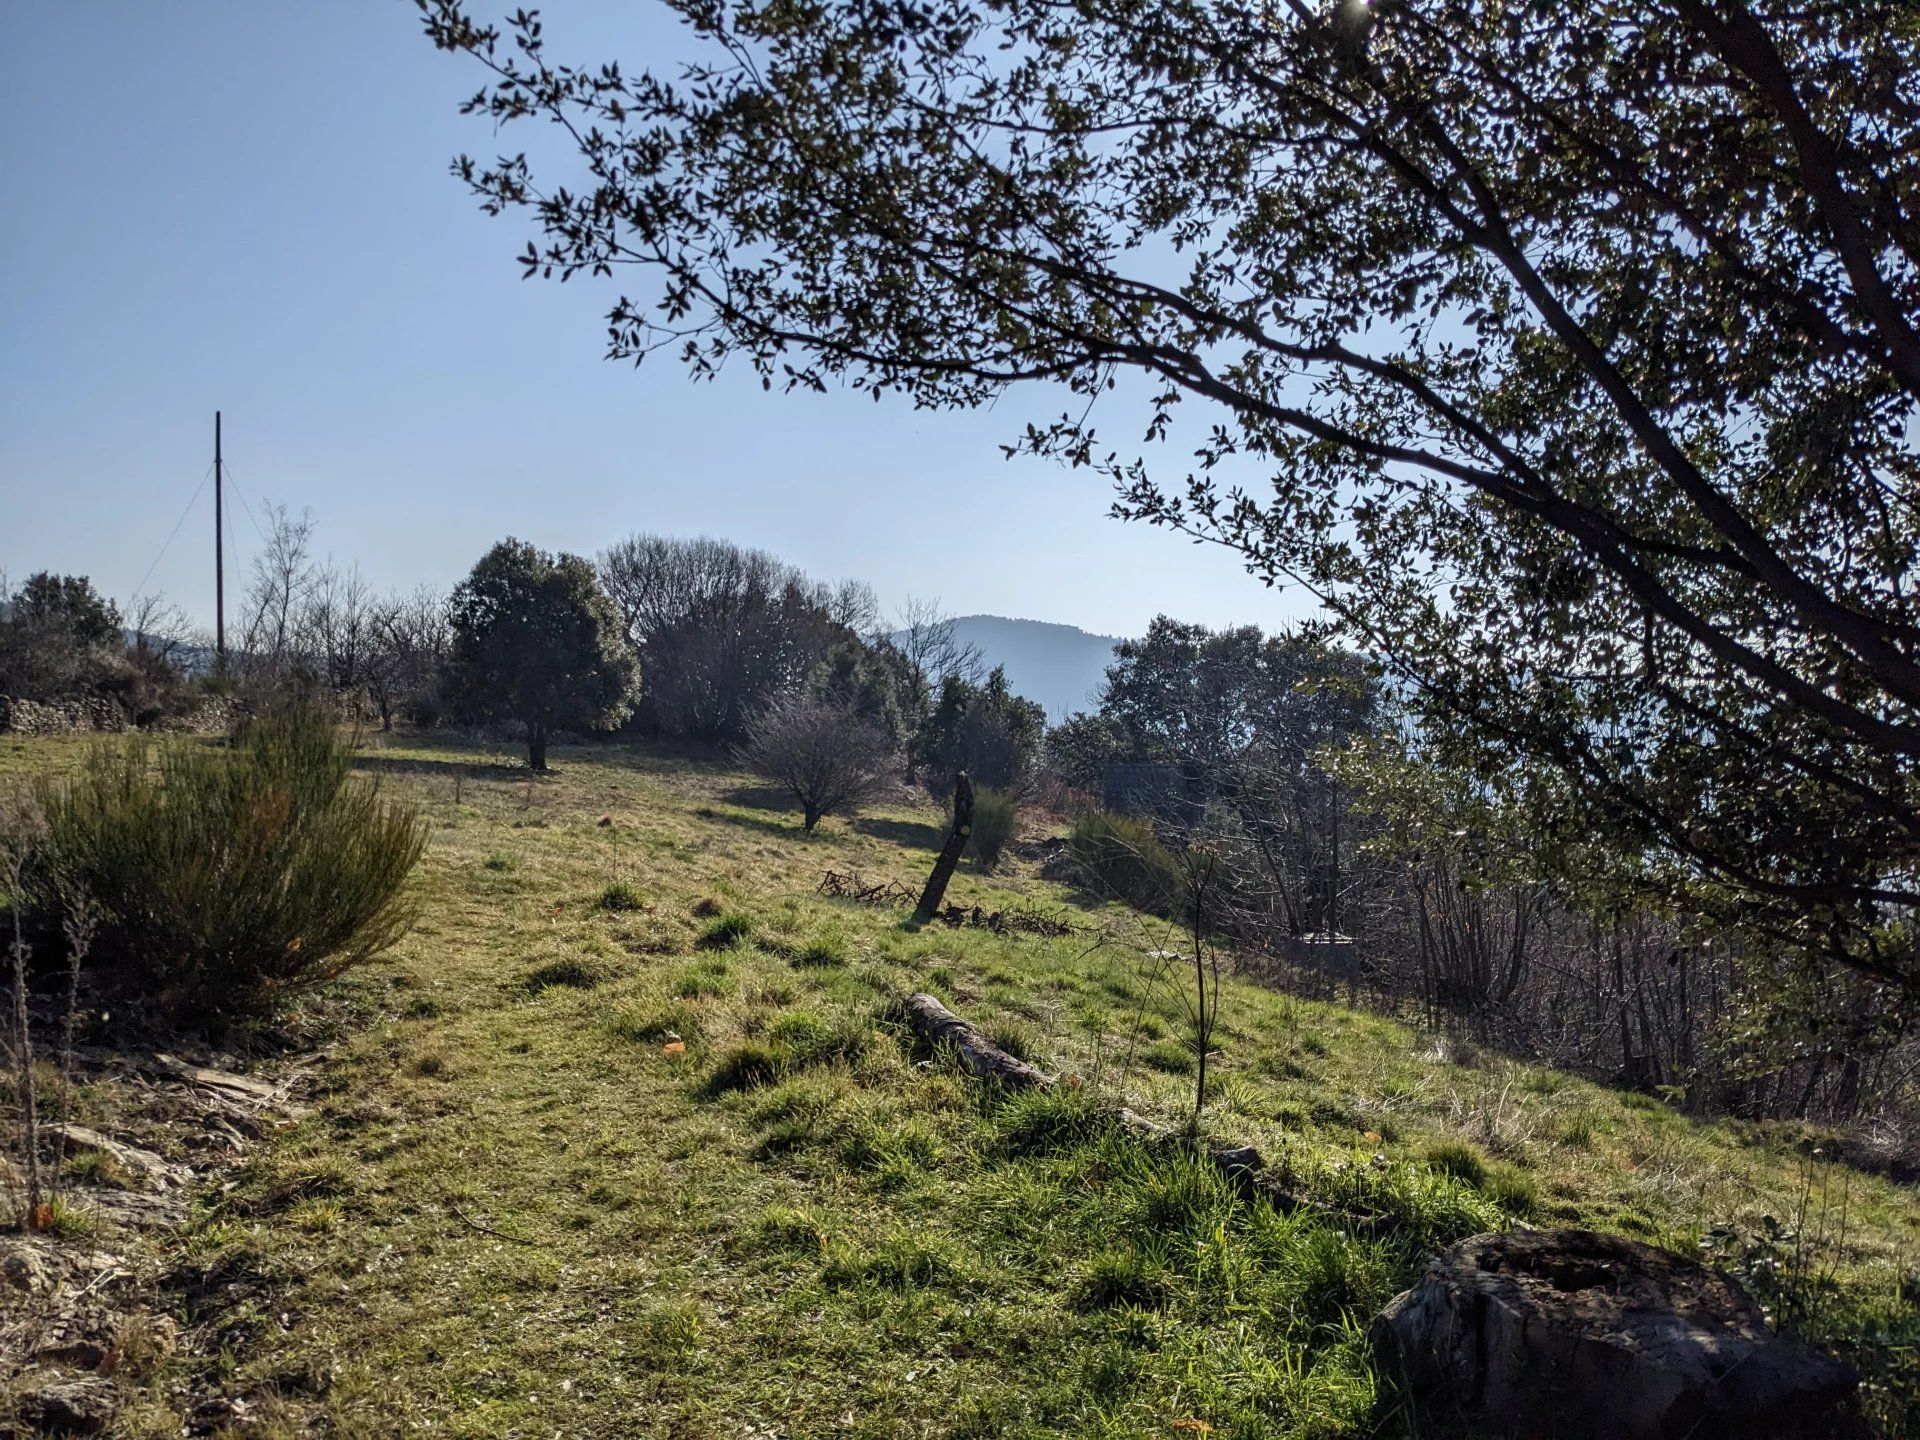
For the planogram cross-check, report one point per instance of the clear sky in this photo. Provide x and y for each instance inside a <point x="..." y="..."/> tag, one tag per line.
<point x="244" y="205"/>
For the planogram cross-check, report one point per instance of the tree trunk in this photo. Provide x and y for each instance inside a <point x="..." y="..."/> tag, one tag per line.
<point x="949" y="857"/>
<point x="812" y="817"/>
<point x="536" y="747"/>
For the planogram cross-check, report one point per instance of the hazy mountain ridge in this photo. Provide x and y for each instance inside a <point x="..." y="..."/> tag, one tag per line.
<point x="1060" y="666"/>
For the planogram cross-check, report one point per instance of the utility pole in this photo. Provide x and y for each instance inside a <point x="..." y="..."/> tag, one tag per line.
<point x="219" y="561"/>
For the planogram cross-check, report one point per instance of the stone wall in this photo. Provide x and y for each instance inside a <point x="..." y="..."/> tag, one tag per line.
<point x="59" y="717"/>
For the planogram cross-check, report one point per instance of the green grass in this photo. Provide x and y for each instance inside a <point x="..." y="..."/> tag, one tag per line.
<point x="792" y="1222"/>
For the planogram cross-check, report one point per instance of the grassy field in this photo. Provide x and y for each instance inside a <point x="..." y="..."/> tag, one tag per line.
<point x="621" y="1143"/>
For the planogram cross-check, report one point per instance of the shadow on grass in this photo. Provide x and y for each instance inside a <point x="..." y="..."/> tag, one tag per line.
<point x="915" y="834"/>
<point x="758" y="797"/>
<point x="787" y="830"/>
<point x="474" y="769"/>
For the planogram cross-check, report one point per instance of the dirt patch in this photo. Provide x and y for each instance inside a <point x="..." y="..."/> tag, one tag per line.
<point x="90" y="1305"/>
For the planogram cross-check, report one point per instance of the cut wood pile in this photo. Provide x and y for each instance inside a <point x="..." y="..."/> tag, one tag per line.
<point x="1010" y="921"/>
<point x="850" y="886"/>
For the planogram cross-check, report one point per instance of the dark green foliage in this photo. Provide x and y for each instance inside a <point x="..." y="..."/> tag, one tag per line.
<point x="867" y="682"/>
<point x="230" y="878"/>
<point x="996" y="816"/>
<point x="1079" y="749"/>
<point x="1122" y="859"/>
<point x="1234" y="699"/>
<point x="58" y="639"/>
<point x="536" y="640"/>
<point x="985" y="730"/>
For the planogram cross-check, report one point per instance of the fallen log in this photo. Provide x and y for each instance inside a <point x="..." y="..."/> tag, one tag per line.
<point x="937" y="1025"/>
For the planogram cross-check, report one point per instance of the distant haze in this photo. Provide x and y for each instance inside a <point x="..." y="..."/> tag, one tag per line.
<point x="1060" y="666"/>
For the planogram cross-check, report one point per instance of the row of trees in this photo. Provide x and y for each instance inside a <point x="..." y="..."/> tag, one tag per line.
<point x="1339" y="840"/>
<point x="721" y="635"/>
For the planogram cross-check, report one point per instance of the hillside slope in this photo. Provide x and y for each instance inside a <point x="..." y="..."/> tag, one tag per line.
<point x="652" y="1160"/>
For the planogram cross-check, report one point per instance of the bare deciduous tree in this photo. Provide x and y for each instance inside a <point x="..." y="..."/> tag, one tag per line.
<point x="821" y="753"/>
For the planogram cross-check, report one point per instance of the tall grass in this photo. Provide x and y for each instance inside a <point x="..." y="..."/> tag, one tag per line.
<point x="225" y="879"/>
<point x="1123" y="859"/>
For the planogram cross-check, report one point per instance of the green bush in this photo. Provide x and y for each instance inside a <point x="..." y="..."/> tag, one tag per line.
<point x="228" y="878"/>
<point x="1125" y="860"/>
<point x="995" y="815"/>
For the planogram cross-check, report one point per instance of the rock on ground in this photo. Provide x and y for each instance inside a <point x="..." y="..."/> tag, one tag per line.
<point x="1575" y="1335"/>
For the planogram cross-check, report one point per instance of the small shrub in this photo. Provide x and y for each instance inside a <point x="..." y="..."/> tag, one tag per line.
<point x="996" y="815"/>
<point x="498" y="863"/>
<point x="229" y="878"/>
<point x="1125" y="860"/>
<point x="622" y="895"/>
<point x="728" y="929"/>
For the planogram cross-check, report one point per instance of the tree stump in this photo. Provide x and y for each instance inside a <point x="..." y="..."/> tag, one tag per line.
<point x="1575" y="1335"/>
<point x="950" y="852"/>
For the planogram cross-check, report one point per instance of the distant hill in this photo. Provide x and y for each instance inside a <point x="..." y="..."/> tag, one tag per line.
<point x="1060" y="666"/>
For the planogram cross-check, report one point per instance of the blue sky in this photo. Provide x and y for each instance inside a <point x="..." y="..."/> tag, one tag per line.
<point x="244" y="205"/>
